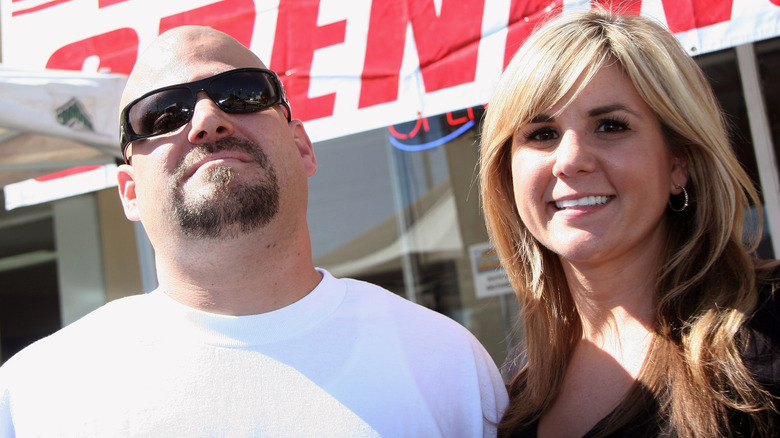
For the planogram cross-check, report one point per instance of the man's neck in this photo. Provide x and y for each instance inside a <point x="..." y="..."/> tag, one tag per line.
<point x="238" y="276"/>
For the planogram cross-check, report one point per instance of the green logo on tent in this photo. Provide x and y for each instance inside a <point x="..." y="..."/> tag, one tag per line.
<point x="73" y="115"/>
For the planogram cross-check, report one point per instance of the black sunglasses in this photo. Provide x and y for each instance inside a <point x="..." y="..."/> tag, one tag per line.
<point x="244" y="90"/>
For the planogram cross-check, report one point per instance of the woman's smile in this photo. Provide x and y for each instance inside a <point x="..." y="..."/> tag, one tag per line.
<point x="586" y="201"/>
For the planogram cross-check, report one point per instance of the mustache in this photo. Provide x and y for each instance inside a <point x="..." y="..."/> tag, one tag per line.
<point x="200" y="151"/>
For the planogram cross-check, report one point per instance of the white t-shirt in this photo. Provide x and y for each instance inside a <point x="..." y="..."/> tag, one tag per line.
<point x="349" y="359"/>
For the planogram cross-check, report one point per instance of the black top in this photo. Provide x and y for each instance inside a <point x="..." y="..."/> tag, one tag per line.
<point x="760" y="337"/>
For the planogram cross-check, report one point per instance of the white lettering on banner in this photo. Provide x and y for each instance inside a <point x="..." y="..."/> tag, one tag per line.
<point x="351" y="65"/>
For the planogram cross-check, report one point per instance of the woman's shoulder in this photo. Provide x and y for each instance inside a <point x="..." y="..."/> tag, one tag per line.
<point x="761" y="333"/>
<point x="766" y="317"/>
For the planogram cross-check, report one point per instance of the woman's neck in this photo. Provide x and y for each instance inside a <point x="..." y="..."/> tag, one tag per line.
<point x="616" y="310"/>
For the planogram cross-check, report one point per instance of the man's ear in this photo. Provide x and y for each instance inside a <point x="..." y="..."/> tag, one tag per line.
<point x="305" y="147"/>
<point x="126" y="185"/>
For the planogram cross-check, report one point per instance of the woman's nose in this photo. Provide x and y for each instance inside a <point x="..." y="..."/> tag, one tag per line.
<point x="573" y="155"/>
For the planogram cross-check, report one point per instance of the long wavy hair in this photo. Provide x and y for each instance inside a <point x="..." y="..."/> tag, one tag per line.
<point x="706" y="285"/>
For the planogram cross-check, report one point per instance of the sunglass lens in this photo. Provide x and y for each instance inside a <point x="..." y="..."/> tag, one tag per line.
<point x="245" y="91"/>
<point x="161" y="112"/>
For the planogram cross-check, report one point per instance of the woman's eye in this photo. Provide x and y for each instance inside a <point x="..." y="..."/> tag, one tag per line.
<point x="543" y="134"/>
<point x="612" y="125"/>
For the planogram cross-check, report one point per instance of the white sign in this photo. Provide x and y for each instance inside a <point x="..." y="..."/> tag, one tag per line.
<point x="490" y="279"/>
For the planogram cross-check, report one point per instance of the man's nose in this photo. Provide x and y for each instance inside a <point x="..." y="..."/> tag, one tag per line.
<point x="209" y="122"/>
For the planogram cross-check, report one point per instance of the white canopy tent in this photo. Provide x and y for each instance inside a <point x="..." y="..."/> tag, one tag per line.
<point x="53" y="120"/>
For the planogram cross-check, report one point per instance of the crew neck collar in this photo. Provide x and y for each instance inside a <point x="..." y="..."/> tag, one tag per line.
<point x="240" y="331"/>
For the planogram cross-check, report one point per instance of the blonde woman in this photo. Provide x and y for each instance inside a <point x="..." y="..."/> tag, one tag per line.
<point x="616" y="205"/>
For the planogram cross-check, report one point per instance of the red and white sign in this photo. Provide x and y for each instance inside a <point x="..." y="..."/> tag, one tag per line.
<point x="350" y="65"/>
<point x="71" y="182"/>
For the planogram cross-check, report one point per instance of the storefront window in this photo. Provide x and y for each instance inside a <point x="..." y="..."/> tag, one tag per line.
<point x="399" y="207"/>
<point x="768" y="54"/>
<point x="722" y="71"/>
<point x="29" y="301"/>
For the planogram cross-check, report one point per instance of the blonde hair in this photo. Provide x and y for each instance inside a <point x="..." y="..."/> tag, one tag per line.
<point x="706" y="286"/>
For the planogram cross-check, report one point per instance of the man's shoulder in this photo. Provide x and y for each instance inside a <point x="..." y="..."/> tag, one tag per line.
<point x="382" y="305"/>
<point x="373" y="293"/>
<point x="90" y="330"/>
<point x="112" y="314"/>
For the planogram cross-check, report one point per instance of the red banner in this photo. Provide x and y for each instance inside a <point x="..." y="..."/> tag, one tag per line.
<point x="351" y="65"/>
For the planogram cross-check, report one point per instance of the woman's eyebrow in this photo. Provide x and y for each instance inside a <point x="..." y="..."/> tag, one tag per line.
<point x="610" y="108"/>
<point x="595" y="112"/>
<point x="542" y="118"/>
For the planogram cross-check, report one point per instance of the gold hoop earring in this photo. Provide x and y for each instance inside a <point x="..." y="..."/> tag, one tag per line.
<point x="685" y="204"/>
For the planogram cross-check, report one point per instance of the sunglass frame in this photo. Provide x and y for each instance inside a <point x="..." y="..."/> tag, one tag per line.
<point x="128" y="135"/>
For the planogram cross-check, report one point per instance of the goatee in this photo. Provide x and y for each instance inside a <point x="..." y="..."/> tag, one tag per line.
<point x="231" y="207"/>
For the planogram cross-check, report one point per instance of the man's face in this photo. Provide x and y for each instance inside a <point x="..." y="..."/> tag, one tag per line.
<point x="221" y="174"/>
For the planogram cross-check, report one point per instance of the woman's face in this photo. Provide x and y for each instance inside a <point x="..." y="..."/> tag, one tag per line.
<point x="592" y="183"/>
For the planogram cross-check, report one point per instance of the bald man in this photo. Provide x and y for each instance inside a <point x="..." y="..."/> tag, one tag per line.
<point x="243" y="336"/>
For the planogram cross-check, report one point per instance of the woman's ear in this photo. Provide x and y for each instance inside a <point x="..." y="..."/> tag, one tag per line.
<point x="679" y="174"/>
<point x="126" y="185"/>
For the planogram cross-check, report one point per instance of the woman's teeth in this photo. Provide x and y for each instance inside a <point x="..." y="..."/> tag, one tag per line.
<point x="587" y="201"/>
